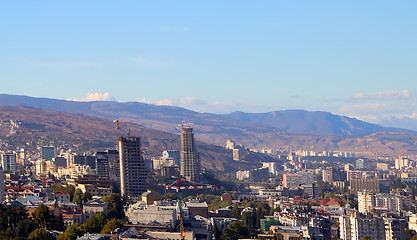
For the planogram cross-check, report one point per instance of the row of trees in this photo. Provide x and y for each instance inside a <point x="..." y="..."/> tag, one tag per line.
<point x="95" y="224"/>
<point x="76" y="195"/>
<point x="249" y="224"/>
<point x="15" y="222"/>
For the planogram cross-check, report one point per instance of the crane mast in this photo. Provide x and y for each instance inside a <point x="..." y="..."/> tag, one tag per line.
<point x="117" y="125"/>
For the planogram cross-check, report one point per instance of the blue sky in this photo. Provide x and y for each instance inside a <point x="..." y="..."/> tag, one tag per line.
<point x="354" y="58"/>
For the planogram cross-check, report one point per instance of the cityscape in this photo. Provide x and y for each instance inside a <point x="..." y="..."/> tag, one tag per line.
<point x="208" y="120"/>
<point x="126" y="191"/>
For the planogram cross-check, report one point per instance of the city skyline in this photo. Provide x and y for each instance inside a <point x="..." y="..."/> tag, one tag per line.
<point x="352" y="59"/>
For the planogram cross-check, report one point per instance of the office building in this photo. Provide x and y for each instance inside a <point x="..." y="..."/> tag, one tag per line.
<point x="295" y="180"/>
<point x="102" y="164"/>
<point x="90" y="161"/>
<point x="173" y="154"/>
<point x="114" y="167"/>
<point x="190" y="166"/>
<point x="328" y="175"/>
<point x="356" y="226"/>
<point x="133" y="171"/>
<point x="367" y="202"/>
<point x="361" y="185"/>
<point x="2" y="192"/>
<point x="48" y="153"/>
<point x="8" y="162"/>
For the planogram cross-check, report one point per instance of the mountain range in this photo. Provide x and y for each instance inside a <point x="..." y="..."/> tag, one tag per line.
<point x="286" y="130"/>
<point x="80" y="133"/>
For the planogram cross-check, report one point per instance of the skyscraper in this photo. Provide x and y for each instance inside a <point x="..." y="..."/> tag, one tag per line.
<point x="48" y="152"/>
<point x="114" y="168"/>
<point x="133" y="171"/>
<point x="102" y="164"/>
<point x="8" y="162"/>
<point x="190" y="165"/>
<point x="2" y="195"/>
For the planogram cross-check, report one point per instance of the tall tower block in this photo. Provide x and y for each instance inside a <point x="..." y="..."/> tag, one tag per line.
<point x="190" y="165"/>
<point x="133" y="171"/>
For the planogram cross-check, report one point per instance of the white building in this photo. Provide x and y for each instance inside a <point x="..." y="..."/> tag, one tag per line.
<point x="272" y="167"/>
<point x="381" y="202"/>
<point x="141" y="213"/>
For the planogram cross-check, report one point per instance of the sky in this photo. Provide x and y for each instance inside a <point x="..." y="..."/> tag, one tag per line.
<point x="352" y="58"/>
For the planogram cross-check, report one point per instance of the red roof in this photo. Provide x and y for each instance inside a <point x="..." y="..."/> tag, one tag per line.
<point x="61" y="192"/>
<point x="330" y="201"/>
<point x="18" y="188"/>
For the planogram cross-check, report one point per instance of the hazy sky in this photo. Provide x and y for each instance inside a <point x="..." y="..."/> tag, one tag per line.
<point x="354" y="58"/>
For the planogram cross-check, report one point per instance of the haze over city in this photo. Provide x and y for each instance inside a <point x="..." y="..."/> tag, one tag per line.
<point x="350" y="58"/>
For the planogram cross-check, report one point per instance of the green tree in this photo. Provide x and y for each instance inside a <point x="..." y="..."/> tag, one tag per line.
<point x="234" y="231"/>
<point x="111" y="225"/>
<point x="24" y="227"/>
<point x="78" y="198"/>
<point x="171" y="196"/>
<point x="40" y="234"/>
<point x="44" y="218"/>
<point x="41" y="215"/>
<point x="236" y="211"/>
<point x="95" y="223"/>
<point x="115" y="205"/>
<point x="9" y="234"/>
<point x="14" y="213"/>
<point x="72" y="232"/>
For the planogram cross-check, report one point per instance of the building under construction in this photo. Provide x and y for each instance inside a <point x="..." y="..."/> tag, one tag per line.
<point x="190" y="164"/>
<point x="133" y="171"/>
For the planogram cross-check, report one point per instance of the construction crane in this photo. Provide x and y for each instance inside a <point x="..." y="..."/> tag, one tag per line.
<point x="117" y="125"/>
<point x="183" y="123"/>
<point x="180" y="202"/>
<point x="178" y="187"/>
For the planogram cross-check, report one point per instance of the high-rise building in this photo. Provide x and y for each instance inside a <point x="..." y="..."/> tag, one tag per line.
<point x="328" y="175"/>
<point x="133" y="171"/>
<point x="90" y="161"/>
<point x="48" y="152"/>
<point x="190" y="165"/>
<point x="295" y="180"/>
<point x="102" y="164"/>
<point x="2" y="193"/>
<point x="174" y="154"/>
<point x="114" y="167"/>
<point x="360" y="185"/>
<point x="356" y="226"/>
<point x="8" y="162"/>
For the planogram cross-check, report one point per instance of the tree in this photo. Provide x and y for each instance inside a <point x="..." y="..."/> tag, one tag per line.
<point x="14" y="213"/>
<point x="72" y="232"/>
<point x="78" y="197"/>
<point x="95" y="223"/>
<point x="234" y="231"/>
<point x="24" y="227"/>
<point x="115" y="205"/>
<point x="41" y="215"/>
<point x="44" y="218"/>
<point x="235" y="211"/>
<point x="40" y="234"/>
<point x="111" y="225"/>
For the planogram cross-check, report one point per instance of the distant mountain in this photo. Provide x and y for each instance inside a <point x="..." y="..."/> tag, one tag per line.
<point x="279" y="129"/>
<point x="404" y="122"/>
<point x="315" y="123"/>
<point x="82" y="133"/>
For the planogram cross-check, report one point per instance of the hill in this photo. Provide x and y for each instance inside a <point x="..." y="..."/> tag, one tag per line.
<point x="287" y="129"/>
<point x="32" y="127"/>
